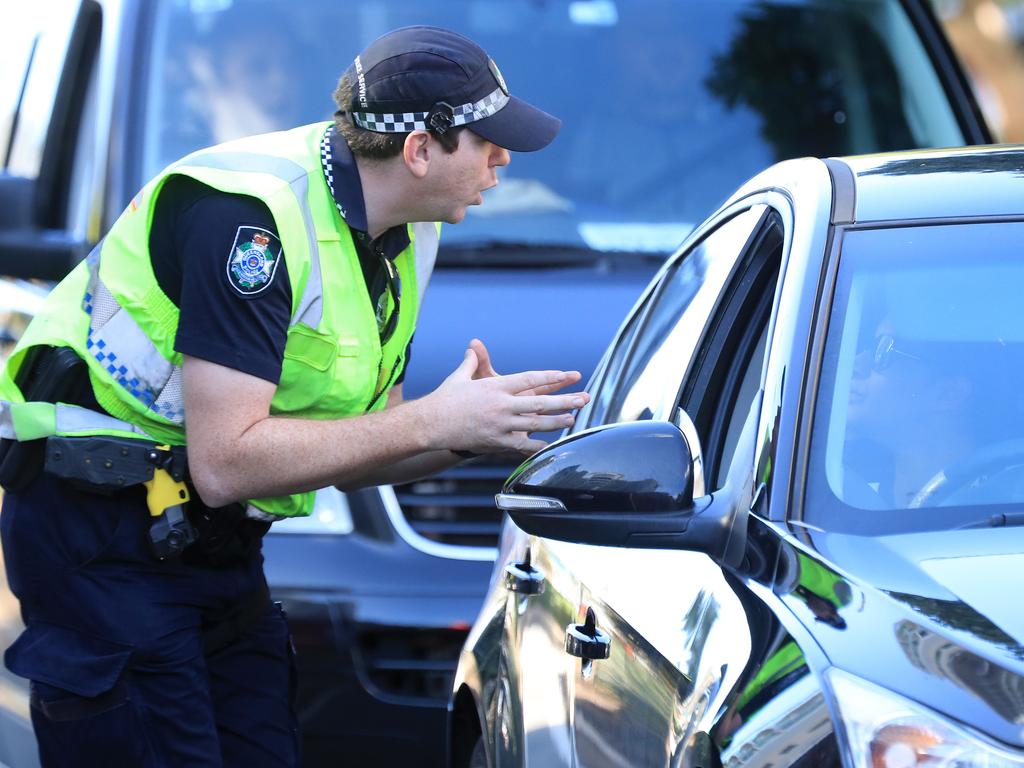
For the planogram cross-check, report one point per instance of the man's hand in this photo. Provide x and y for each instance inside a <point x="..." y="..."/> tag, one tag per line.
<point x="486" y="370"/>
<point x="479" y="410"/>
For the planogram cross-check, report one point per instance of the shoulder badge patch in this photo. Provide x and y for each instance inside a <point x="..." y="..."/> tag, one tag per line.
<point x="253" y="259"/>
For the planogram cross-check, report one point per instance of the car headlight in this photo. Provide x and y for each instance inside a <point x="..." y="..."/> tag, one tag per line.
<point x="331" y="514"/>
<point x="884" y="730"/>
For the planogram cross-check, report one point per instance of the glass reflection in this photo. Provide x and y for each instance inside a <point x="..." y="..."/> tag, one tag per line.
<point x="920" y="406"/>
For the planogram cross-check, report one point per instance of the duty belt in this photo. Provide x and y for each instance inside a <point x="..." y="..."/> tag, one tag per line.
<point x="110" y="464"/>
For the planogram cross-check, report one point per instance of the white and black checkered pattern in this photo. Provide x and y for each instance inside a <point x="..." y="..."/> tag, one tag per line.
<point x="417" y="121"/>
<point x="325" y="158"/>
<point x="487" y="106"/>
<point x="388" y="123"/>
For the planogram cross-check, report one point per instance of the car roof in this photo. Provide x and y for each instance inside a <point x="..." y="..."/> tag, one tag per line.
<point x="934" y="184"/>
<point x="952" y="183"/>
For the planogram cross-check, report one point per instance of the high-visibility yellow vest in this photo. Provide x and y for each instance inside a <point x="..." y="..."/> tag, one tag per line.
<point x="112" y="312"/>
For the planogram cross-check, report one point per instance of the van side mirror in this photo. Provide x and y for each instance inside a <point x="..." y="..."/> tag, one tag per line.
<point x="27" y="250"/>
<point x="621" y="485"/>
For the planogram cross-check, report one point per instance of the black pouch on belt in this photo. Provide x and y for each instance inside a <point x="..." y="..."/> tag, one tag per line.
<point x="226" y="536"/>
<point x="50" y="375"/>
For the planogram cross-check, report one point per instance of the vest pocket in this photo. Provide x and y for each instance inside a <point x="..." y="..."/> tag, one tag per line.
<point x="306" y="370"/>
<point x="325" y="377"/>
<point x="306" y="346"/>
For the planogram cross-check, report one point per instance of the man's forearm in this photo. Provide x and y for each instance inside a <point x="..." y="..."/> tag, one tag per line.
<point x="237" y="451"/>
<point x="277" y="455"/>
<point x="405" y="470"/>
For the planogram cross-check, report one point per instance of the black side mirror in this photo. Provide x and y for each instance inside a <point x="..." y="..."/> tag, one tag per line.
<point x="624" y="485"/>
<point x="26" y="250"/>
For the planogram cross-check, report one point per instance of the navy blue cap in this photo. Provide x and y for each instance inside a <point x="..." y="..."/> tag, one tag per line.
<point x="429" y="78"/>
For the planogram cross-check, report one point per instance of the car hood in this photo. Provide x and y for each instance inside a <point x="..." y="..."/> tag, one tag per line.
<point x="979" y="569"/>
<point x="940" y="612"/>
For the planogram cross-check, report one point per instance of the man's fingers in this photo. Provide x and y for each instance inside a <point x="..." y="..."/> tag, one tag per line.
<point x="547" y="389"/>
<point x="528" y="446"/>
<point x="484" y="367"/>
<point x="537" y="423"/>
<point x="552" y="380"/>
<point x="550" y="403"/>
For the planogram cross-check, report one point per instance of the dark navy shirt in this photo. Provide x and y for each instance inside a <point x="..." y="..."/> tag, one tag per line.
<point x="193" y="239"/>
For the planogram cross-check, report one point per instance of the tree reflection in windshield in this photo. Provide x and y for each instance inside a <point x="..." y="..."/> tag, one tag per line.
<point x="813" y="101"/>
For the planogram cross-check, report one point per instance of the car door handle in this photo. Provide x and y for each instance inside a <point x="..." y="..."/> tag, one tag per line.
<point x="586" y="641"/>
<point x="524" y="578"/>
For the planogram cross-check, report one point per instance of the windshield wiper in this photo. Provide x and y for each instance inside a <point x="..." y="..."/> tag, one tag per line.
<point x="998" y="520"/>
<point x="506" y="253"/>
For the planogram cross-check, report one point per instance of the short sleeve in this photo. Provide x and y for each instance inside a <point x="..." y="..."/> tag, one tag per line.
<point x="235" y="295"/>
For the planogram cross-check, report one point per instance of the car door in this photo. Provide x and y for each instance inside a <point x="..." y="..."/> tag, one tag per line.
<point x="655" y="606"/>
<point x="682" y="628"/>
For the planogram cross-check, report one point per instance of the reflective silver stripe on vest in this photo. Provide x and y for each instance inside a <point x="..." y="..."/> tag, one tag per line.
<point x="311" y="308"/>
<point x="117" y="342"/>
<point x="425" y="249"/>
<point x="72" y="419"/>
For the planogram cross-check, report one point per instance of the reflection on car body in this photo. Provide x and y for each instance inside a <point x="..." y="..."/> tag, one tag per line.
<point x="842" y="590"/>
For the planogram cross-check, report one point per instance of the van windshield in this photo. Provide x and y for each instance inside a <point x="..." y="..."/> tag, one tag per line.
<point x="666" y="106"/>
<point x="919" y="421"/>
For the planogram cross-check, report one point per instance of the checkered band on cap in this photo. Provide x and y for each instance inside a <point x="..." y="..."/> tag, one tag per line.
<point x="403" y="122"/>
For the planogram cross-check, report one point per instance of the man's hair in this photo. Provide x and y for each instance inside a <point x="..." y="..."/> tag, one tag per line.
<point x="374" y="145"/>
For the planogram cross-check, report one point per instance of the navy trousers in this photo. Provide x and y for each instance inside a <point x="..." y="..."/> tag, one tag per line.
<point x="114" y="642"/>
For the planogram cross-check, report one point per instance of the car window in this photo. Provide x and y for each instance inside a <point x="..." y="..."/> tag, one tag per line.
<point x="722" y="386"/>
<point x="738" y="410"/>
<point x="36" y="38"/>
<point x="601" y="395"/>
<point x="648" y="384"/>
<point x="666" y="106"/>
<point x="920" y="414"/>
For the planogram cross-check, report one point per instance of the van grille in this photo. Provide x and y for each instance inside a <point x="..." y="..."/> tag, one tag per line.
<point x="414" y="665"/>
<point x="456" y="506"/>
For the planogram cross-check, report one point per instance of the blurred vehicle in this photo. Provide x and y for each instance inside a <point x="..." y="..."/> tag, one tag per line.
<point x="666" y="107"/>
<point x="787" y="529"/>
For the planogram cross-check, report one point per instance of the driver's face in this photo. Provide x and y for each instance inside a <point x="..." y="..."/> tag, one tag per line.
<point x="889" y="389"/>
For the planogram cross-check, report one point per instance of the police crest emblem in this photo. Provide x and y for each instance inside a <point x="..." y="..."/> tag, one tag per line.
<point x="253" y="260"/>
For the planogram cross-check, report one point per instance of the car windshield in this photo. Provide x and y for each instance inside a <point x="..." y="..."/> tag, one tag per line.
<point x="920" y="415"/>
<point x="667" y="106"/>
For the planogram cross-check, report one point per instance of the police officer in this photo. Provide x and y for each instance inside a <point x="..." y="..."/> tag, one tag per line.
<point x="255" y="302"/>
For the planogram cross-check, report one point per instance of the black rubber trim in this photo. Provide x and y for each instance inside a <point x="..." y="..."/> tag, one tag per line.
<point x="55" y="170"/>
<point x="844" y="191"/>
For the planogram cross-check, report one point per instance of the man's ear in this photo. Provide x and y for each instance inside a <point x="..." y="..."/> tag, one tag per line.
<point x="416" y="153"/>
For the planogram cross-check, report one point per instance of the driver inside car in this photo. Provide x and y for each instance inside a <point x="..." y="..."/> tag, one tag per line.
<point x="909" y="418"/>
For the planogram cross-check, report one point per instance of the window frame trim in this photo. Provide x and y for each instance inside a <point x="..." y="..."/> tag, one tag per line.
<point x="746" y="303"/>
<point x="656" y="290"/>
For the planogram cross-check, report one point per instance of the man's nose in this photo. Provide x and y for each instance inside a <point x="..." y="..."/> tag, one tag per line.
<point x="500" y="156"/>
